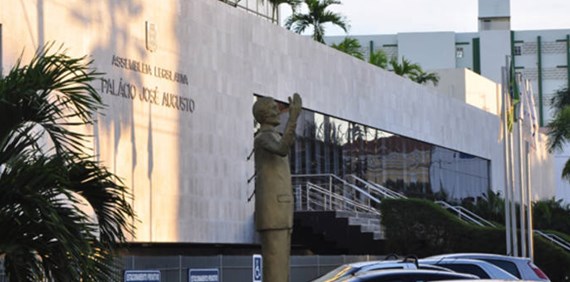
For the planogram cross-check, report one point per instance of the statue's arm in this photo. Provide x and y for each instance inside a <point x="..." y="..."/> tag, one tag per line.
<point x="282" y="147"/>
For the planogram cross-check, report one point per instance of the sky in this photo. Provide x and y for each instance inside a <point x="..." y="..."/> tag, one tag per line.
<point x="393" y="16"/>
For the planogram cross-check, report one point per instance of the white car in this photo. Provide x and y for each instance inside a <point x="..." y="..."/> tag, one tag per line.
<point x="480" y="268"/>
<point x="409" y="275"/>
<point x="522" y="268"/>
<point x="356" y="268"/>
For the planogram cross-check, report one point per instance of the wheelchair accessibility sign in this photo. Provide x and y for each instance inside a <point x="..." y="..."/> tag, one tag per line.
<point x="257" y="267"/>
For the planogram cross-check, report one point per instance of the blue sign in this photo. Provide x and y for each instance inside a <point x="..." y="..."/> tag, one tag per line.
<point x="257" y="265"/>
<point x="142" y="276"/>
<point x="204" y="275"/>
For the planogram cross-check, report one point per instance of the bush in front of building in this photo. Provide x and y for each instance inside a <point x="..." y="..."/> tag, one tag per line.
<point x="551" y="215"/>
<point x="422" y="228"/>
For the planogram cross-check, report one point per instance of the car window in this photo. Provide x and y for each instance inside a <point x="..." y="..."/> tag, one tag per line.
<point x="508" y="266"/>
<point x="467" y="268"/>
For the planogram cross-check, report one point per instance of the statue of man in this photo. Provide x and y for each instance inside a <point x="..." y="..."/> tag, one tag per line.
<point x="273" y="189"/>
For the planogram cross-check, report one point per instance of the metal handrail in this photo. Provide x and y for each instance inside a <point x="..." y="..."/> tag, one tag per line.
<point x="339" y="187"/>
<point x="388" y="193"/>
<point x="461" y="214"/>
<point x="472" y="214"/>
<point x="554" y="239"/>
<point x="317" y="198"/>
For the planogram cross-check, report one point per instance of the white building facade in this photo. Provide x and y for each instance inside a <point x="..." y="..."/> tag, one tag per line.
<point x="180" y="85"/>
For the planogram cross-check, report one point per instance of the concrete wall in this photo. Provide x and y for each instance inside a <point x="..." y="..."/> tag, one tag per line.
<point x="494" y="8"/>
<point x="433" y="50"/>
<point x="187" y="168"/>
<point x="470" y="88"/>
<point x="495" y="46"/>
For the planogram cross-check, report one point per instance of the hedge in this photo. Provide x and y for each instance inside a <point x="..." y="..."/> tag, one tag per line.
<point x="422" y="228"/>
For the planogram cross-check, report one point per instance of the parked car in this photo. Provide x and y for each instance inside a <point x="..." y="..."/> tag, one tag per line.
<point x="522" y="268"/>
<point x="407" y="275"/>
<point x="482" y="269"/>
<point x="355" y="268"/>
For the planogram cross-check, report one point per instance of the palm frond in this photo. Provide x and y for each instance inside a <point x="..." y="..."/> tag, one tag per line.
<point x="560" y="99"/>
<point x="49" y="92"/>
<point x="50" y="237"/>
<point x="316" y="17"/>
<point x="350" y="46"/>
<point x="559" y="130"/>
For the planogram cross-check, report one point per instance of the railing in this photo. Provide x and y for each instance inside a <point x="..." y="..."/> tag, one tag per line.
<point x="554" y="239"/>
<point x="375" y="189"/>
<point x="311" y="197"/>
<point x="331" y="193"/>
<point x="244" y="6"/>
<point x="465" y="214"/>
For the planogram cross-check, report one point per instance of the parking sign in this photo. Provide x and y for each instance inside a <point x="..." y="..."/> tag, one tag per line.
<point x="257" y="267"/>
<point x="142" y="276"/>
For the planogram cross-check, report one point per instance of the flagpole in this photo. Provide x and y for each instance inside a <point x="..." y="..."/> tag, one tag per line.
<point x="521" y="184"/>
<point x="529" y="207"/>
<point x="512" y="199"/>
<point x="512" y="205"/>
<point x="532" y="121"/>
<point x="506" y="134"/>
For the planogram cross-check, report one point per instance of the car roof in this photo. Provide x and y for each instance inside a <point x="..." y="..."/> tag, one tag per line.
<point x="490" y="268"/>
<point x="371" y="274"/>
<point x="479" y="255"/>
<point x="349" y="269"/>
<point x="487" y="280"/>
<point x="521" y="266"/>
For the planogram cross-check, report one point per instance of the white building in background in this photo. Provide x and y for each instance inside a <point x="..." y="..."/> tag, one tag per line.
<point x="541" y="56"/>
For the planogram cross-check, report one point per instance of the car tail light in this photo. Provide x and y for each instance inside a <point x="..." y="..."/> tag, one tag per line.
<point x="538" y="271"/>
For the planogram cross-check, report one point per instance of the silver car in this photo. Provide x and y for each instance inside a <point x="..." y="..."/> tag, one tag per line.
<point x="480" y="268"/>
<point x="409" y="275"/>
<point x="522" y="268"/>
<point x="357" y="268"/>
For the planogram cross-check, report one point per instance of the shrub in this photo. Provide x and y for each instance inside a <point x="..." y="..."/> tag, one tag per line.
<point x="422" y="228"/>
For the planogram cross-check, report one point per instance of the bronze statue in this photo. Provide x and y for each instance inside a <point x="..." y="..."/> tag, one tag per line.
<point x="273" y="189"/>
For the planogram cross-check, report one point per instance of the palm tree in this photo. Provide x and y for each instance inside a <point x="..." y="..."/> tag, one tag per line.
<point x="405" y="69"/>
<point x="49" y="236"/>
<point x="275" y="4"/>
<point x="413" y="71"/>
<point x="559" y="126"/>
<point x="379" y="58"/>
<point x="316" y="17"/>
<point x="350" y="46"/>
<point x="423" y="77"/>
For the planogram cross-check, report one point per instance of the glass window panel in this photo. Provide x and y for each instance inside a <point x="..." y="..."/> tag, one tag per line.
<point x="327" y="144"/>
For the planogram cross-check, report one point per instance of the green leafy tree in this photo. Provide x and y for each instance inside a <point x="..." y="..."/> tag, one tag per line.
<point x="46" y="173"/>
<point x="379" y="58"/>
<point x="317" y="17"/>
<point x="559" y="126"/>
<point x="350" y="46"/>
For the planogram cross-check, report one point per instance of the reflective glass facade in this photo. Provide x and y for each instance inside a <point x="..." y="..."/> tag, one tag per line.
<point x="327" y="144"/>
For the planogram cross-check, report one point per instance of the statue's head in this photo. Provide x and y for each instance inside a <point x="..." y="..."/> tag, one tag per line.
<point x="265" y="111"/>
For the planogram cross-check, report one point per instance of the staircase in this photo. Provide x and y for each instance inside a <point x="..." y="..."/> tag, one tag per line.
<point x="330" y="232"/>
<point x="338" y="216"/>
